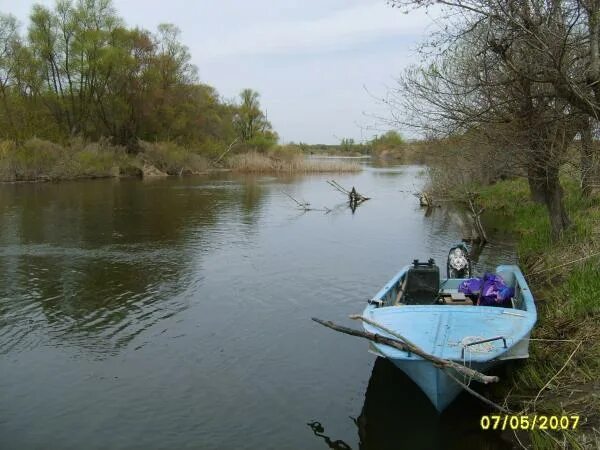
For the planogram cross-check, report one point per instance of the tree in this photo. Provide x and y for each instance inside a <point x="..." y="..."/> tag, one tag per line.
<point x="561" y="37"/>
<point x="512" y="71"/>
<point x="79" y="71"/>
<point x="249" y="119"/>
<point x="250" y="122"/>
<point x="9" y="47"/>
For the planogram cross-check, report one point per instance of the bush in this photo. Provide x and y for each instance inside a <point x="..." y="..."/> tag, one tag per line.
<point x="38" y="159"/>
<point x="260" y="143"/>
<point x="172" y="158"/>
<point x="389" y="139"/>
<point x="31" y="161"/>
<point x="211" y="148"/>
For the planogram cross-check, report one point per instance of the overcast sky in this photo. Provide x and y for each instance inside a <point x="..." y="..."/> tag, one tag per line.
<point x="317" y="63"/>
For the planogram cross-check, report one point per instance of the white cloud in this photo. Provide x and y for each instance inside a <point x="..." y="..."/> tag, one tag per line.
<point x="340" y="29"/>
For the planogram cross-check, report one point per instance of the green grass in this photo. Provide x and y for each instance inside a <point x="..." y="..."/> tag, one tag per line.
<point x="567" y="290"/>
<point x="582" y="288"/>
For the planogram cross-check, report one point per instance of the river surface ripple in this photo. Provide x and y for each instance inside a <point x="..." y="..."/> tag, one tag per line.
<point x="176" y="314"/>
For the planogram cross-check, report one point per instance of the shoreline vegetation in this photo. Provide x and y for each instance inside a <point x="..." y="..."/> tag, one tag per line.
<point x="38" y="160"/>
<point x="561" y="375"/>
<point x="84" y="95"/>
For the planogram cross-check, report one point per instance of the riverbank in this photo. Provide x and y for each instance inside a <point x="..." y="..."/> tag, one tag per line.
<point x="563" y="372"/>
<point x="41" y="160"/>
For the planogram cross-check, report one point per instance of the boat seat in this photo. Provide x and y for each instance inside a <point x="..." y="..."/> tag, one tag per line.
<point x="421" y="285"/>
<point x="455" y="299"/>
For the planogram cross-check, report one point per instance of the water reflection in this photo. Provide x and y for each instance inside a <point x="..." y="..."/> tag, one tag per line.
<point x="97" y="263"/>
<point x="396" y="414"/>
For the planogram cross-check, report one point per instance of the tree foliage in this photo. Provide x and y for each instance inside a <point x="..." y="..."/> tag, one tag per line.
<point x="390" y="138"/>
<point x="525" y="75"/>
<point x="251" y="123"/>
<point x="80" y="71"/>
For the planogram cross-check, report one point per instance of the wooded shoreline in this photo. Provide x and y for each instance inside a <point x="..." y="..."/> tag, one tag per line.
<point x="38" y="160"/>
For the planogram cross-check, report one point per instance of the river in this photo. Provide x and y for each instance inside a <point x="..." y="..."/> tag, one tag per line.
<point x="175" y="313"/>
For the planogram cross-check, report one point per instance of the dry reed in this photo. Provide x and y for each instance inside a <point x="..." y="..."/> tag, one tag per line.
<point x="259" y="163"/>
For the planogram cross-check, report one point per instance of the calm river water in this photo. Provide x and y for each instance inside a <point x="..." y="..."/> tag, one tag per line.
<point x="176" y="314"/>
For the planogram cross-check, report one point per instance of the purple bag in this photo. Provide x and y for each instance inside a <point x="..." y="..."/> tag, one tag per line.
<point x="472" y="286"/>
<point x="491" y="290"/>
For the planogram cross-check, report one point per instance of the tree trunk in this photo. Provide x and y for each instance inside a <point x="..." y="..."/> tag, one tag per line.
<point x="587" y="160"/>
<point x="536" y="185"/>
<point x="545" y="186"/>
<point x="553" y="199"/>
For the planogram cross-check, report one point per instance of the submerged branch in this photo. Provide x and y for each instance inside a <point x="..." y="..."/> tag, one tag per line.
<point x="354" y="198"/>
<point x="305" y="206"/>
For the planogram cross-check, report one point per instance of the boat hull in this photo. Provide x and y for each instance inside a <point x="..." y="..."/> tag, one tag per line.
<point x="434" y="382"/>
<point x="449" y="332"/>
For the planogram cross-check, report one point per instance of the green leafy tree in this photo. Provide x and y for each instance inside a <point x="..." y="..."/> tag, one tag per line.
<point x="250" y="122"/>
<point x="79" y="71"/>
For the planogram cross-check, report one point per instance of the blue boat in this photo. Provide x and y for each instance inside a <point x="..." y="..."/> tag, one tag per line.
<point x="433" y="315"/>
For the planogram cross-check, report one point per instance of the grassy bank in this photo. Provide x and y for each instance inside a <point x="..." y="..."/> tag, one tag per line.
<point x="567" y="289"/>
<point x="41" y="160"/>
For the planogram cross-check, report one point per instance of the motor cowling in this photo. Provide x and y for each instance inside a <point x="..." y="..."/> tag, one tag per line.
<point x="459" y="263"/>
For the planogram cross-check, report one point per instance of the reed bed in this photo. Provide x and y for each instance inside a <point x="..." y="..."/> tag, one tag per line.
<point x="254" y="162"/>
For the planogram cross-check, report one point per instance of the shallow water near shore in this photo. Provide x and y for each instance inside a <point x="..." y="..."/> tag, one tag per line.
<point x="175" y="313"/>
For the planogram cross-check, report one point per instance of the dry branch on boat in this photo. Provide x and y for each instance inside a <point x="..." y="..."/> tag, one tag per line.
<point x="409" y="347"/>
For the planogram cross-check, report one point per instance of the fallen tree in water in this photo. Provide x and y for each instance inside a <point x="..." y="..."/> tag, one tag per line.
<point x="354" y="198"/>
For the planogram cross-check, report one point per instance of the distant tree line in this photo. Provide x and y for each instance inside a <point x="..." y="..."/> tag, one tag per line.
<point x="80" y="71"/>
<point x="523" y="75"/>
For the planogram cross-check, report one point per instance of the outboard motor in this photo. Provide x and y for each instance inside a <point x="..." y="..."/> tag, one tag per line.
<point x="459" y="263"/>
<point x="422" y="283"/>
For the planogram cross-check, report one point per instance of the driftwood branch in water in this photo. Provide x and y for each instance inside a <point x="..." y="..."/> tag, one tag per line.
<point x="425" y="199"/>
<point x="305" y="206"/>
<point x="354" y="197"/>
<point x="476" y="214"/>
<point x="404" y="346"/>
<point x="337" y="187"/>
